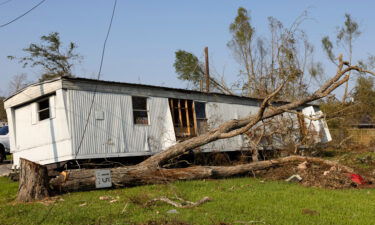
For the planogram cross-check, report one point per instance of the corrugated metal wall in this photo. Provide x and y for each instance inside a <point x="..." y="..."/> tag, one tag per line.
<point x="111" y="132"/>
<point x="115" y="134"/>
<point x="218" y="113"/>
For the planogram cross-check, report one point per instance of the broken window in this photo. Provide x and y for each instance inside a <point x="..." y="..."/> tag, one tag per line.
<point x="200" y="111"/>
<point x="140" y="112"/>
<point x="183" y="117"/>
<point x="43" y="109"/>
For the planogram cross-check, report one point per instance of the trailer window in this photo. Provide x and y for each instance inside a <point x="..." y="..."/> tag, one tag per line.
<point x="43" y="109"/>
<point x="200" y="111"/>
<point x="140" y="112"/>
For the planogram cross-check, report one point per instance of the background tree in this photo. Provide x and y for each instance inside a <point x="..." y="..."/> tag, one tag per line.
<point x="3" y="115"/>
<point x="345" y="37"/>
<point x="50" y="56"/>
<point x="364" y="98"/>
<point x="17" y="83"/>
<point x="266" y="63"/>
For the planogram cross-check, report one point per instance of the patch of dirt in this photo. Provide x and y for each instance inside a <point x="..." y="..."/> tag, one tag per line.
<point x="313" y="175"/>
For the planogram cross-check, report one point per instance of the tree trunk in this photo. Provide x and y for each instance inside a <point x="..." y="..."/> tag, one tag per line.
<point x="77" y="180"/>
<point x="33" y="182"/>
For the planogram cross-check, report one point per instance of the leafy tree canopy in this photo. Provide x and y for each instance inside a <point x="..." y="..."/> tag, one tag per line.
<point x="50" y="55"/>
<point x="188" y="67"/>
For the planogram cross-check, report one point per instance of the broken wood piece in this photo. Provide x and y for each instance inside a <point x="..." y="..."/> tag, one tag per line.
<point x="184" y="204"/>
<point x="302" y="166"/>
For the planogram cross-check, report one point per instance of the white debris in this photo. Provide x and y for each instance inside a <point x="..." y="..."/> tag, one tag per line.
<point x="172" y="211"/>
<point x="294" y="178"/>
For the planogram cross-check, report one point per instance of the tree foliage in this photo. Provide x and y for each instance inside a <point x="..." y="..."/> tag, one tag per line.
<point x="285" y="55"/>
<point x="51" y="56"/>
<point x="364" y="96"/>
<point x="188" y="67"/>
<point x="3" y="115"/>
<point x="266" y="62"/>
<point x="18" y="82"/>
<point x="345" y="37"/>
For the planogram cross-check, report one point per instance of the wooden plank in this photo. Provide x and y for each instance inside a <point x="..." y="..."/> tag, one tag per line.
<point x="187" y="117"/>
<point x="179" y="113"/>
<point x="194" y="118"/>
<point x="171" y="109"/>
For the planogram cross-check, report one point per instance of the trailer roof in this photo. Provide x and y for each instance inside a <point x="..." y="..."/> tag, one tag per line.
<point x="78" y="83"/>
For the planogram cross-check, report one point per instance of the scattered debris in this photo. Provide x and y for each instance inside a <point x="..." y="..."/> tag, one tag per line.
<point x="125" y="208"/>
<point x="356" y="178"/>
<point x="172" y="211"/>
<point x="302" y="166"/>
<point x="83" y="204"/>
<point x="183" y="204"/>
<point x="110" y="198"/>
<point x="316" y="175"/>
<point x="294" y="178"/>
<point x="105" y="197"/>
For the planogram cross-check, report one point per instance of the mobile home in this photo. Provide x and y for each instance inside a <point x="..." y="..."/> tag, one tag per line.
<point x="77" y="118"/>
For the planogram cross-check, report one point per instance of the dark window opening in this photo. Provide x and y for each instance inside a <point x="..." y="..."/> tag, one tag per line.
<point x="200" y="111"/>
<point x="43" y="109"/>
<point x="140" y="112"/>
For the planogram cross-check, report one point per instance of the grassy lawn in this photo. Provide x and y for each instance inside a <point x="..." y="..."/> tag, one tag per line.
<point x="234" y="201"/>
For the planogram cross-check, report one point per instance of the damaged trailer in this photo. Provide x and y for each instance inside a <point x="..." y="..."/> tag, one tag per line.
<point x="48" y="121"/>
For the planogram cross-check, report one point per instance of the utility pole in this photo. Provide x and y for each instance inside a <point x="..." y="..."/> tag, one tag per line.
<point x="207" y="69"/>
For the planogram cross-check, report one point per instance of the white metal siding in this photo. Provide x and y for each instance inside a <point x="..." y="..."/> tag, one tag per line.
<point x="217" y="113"/>
<point x="116" y="135"/>
<point x="45" y="141"/>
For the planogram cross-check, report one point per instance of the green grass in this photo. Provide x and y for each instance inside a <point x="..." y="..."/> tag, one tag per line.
<point x="239" y="199"/>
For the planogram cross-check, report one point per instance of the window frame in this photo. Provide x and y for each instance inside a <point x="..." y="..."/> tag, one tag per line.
<point x="141" y="110"/>
<point x="38" y="110"/>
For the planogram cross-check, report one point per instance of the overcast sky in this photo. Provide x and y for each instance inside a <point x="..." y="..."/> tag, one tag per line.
<point x="145" y="34"/>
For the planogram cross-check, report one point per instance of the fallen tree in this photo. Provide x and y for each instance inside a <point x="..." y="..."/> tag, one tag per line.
<point x="150" y="171"/>
<point x="77" y="180"/>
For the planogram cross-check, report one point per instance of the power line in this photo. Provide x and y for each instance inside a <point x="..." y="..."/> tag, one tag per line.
<point x="98" y="77"/>
<point x="22" y="15"/>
